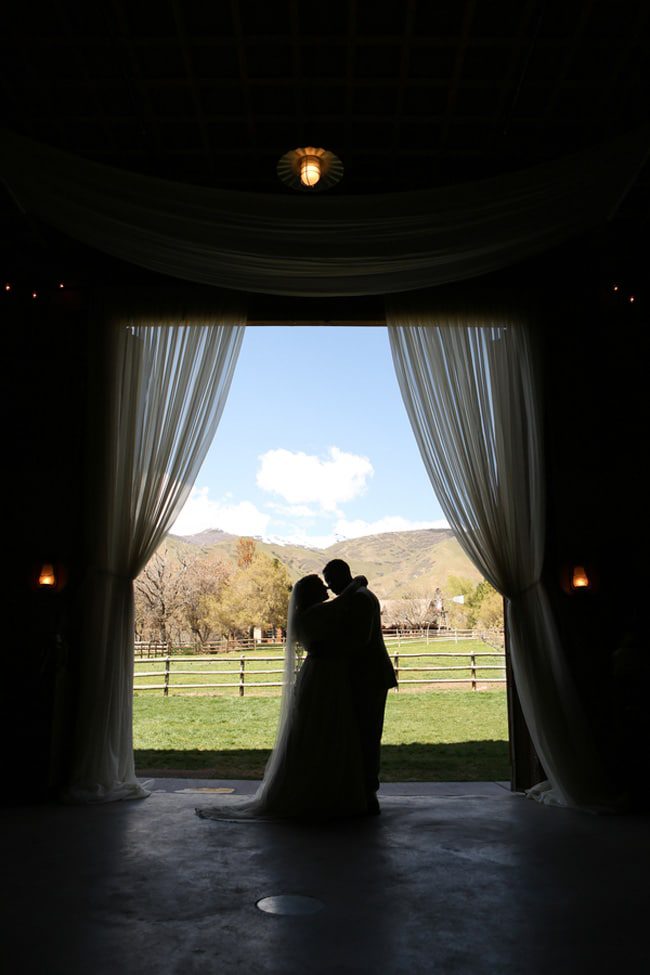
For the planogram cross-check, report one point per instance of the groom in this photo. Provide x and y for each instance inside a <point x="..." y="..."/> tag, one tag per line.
<point x="371" y="672"/>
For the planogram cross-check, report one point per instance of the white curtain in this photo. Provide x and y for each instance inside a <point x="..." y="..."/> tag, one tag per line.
<point x="472" y="393"/>
<point x="165" y="386"/>
<point x="324" y="245"/>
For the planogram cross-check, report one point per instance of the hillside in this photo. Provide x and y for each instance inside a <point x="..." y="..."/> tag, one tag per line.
<point x="396" y="563"/>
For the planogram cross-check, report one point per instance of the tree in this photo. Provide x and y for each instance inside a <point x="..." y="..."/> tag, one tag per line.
<point x="205" y="581"/>
<point x="489" y="611"/>
<point x="415" y="611"/>
<point x="482" y="605"/>
<point x="245" y="552"/>
<point x="159" y="591"/>
<point x="256" y="595"/>
<point x="458" y="591"/>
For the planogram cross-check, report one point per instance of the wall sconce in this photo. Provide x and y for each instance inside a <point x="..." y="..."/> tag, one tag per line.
<point x="579" y="578"/>
<point x="47" y="576"/>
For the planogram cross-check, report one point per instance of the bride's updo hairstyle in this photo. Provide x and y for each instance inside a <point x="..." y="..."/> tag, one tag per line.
<point x="308" y="591"/>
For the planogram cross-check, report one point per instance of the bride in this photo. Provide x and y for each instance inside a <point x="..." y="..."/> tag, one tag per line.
<point x="315" y="770"/>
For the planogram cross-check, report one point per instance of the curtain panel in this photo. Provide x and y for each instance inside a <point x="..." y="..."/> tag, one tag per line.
<point x="472" y="393"/>
<point x="162" y="390"/>
<point x="326" y="245"/>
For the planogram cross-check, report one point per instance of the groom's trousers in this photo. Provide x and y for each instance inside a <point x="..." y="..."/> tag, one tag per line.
<point x="370" y="703"/>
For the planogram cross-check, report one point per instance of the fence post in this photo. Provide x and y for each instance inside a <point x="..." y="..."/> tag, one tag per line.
<point x="396" y="659"/>
<point x="242" y="664"/>
<point x="166" y="691"/>
<point x="473" y="670"/>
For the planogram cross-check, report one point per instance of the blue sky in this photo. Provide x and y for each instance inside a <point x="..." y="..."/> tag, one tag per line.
<point x="314" y="444"/>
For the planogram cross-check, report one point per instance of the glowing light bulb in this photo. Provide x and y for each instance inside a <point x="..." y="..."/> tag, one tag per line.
<point x="310" y="170"/>
<point x="631" y="299"/>
<point x="34" y="294"/>
<point x="61" y="285"/>
<point x="47" y="576"/>
<point x="7" y="287"/>
<point x="579" y="578"/>
<point x="615" y="287"/>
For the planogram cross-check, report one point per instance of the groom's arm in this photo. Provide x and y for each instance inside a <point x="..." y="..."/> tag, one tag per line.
<point x="357" y="622"/>
<point x="325" y="625"/>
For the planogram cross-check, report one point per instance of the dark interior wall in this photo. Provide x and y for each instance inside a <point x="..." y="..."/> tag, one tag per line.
<point x="45" y="401"/>
<point x="594" y="381"/>
<point x="595" y="392"/>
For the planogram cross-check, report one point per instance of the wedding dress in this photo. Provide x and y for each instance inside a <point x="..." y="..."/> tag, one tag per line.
<point x="316" y="768"/>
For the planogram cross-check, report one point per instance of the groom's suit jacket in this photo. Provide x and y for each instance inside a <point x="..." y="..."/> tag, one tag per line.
<point x="368" y="659"/>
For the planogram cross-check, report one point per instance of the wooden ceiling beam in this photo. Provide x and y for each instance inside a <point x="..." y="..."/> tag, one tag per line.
<point x="350" y="66"/>
<point x="405" y="51"/>
<point x="529" y="27"/>
<point x="297" y="79"/>
<point x="132" y="74"/>
<point x="194" y="86"/>
<point x="235" y="13"/>
<point x="79" y="55"/>
<point x="569" y="54"/>
<point x="452" y="97"/>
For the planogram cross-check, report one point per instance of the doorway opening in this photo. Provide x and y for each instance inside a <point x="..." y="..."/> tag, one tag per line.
<point x="314" y="458"/>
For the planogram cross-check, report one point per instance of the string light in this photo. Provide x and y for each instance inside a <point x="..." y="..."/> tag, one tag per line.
<point x="33" y="291"/>
<point x="631" y="299"/>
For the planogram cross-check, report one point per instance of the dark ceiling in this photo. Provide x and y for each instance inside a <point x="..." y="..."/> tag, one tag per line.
<point x="407" y="93"/>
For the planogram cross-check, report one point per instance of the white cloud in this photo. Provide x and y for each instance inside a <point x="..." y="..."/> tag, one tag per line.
<point x="291" y="510"/>
<point x="391" y="523"/>
<point x="303" y="479"/>
<point x="201" y="512"/>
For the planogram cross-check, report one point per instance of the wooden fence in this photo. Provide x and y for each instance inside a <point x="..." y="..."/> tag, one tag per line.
<point x="148" y="649"/>
<point x="245" y="668"/>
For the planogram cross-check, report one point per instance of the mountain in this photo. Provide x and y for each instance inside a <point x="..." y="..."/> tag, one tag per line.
<point x="396" y="563"/>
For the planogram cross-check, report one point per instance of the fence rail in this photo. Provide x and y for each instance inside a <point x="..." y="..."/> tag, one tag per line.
<point x="148" y="649"/>
<point x="245" y="668"/>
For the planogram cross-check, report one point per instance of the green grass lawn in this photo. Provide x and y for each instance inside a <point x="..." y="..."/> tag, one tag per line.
<point x="445" y="736"/>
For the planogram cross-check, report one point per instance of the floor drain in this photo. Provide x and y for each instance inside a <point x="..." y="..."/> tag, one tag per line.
<point x="290" y="904"/>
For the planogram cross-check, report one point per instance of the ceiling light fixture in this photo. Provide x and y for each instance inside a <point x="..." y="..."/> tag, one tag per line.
<point x="310" y="169"/>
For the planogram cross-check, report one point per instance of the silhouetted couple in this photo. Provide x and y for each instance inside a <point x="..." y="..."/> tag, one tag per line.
<point x="325" y="762"/>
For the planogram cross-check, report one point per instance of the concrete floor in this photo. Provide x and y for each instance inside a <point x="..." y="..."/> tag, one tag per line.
<point x="451" y="878"/>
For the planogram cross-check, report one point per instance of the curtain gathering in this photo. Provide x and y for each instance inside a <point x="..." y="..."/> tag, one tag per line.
<point x="165" y="386"/>
<point x="471" y="390"/>
<point x="328" y="245"/>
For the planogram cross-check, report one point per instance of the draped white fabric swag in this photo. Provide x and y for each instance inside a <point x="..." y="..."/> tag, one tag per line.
<point x="165" y="385"/>
<point x="325" y="245"/>
<point x="472" y="394"/>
